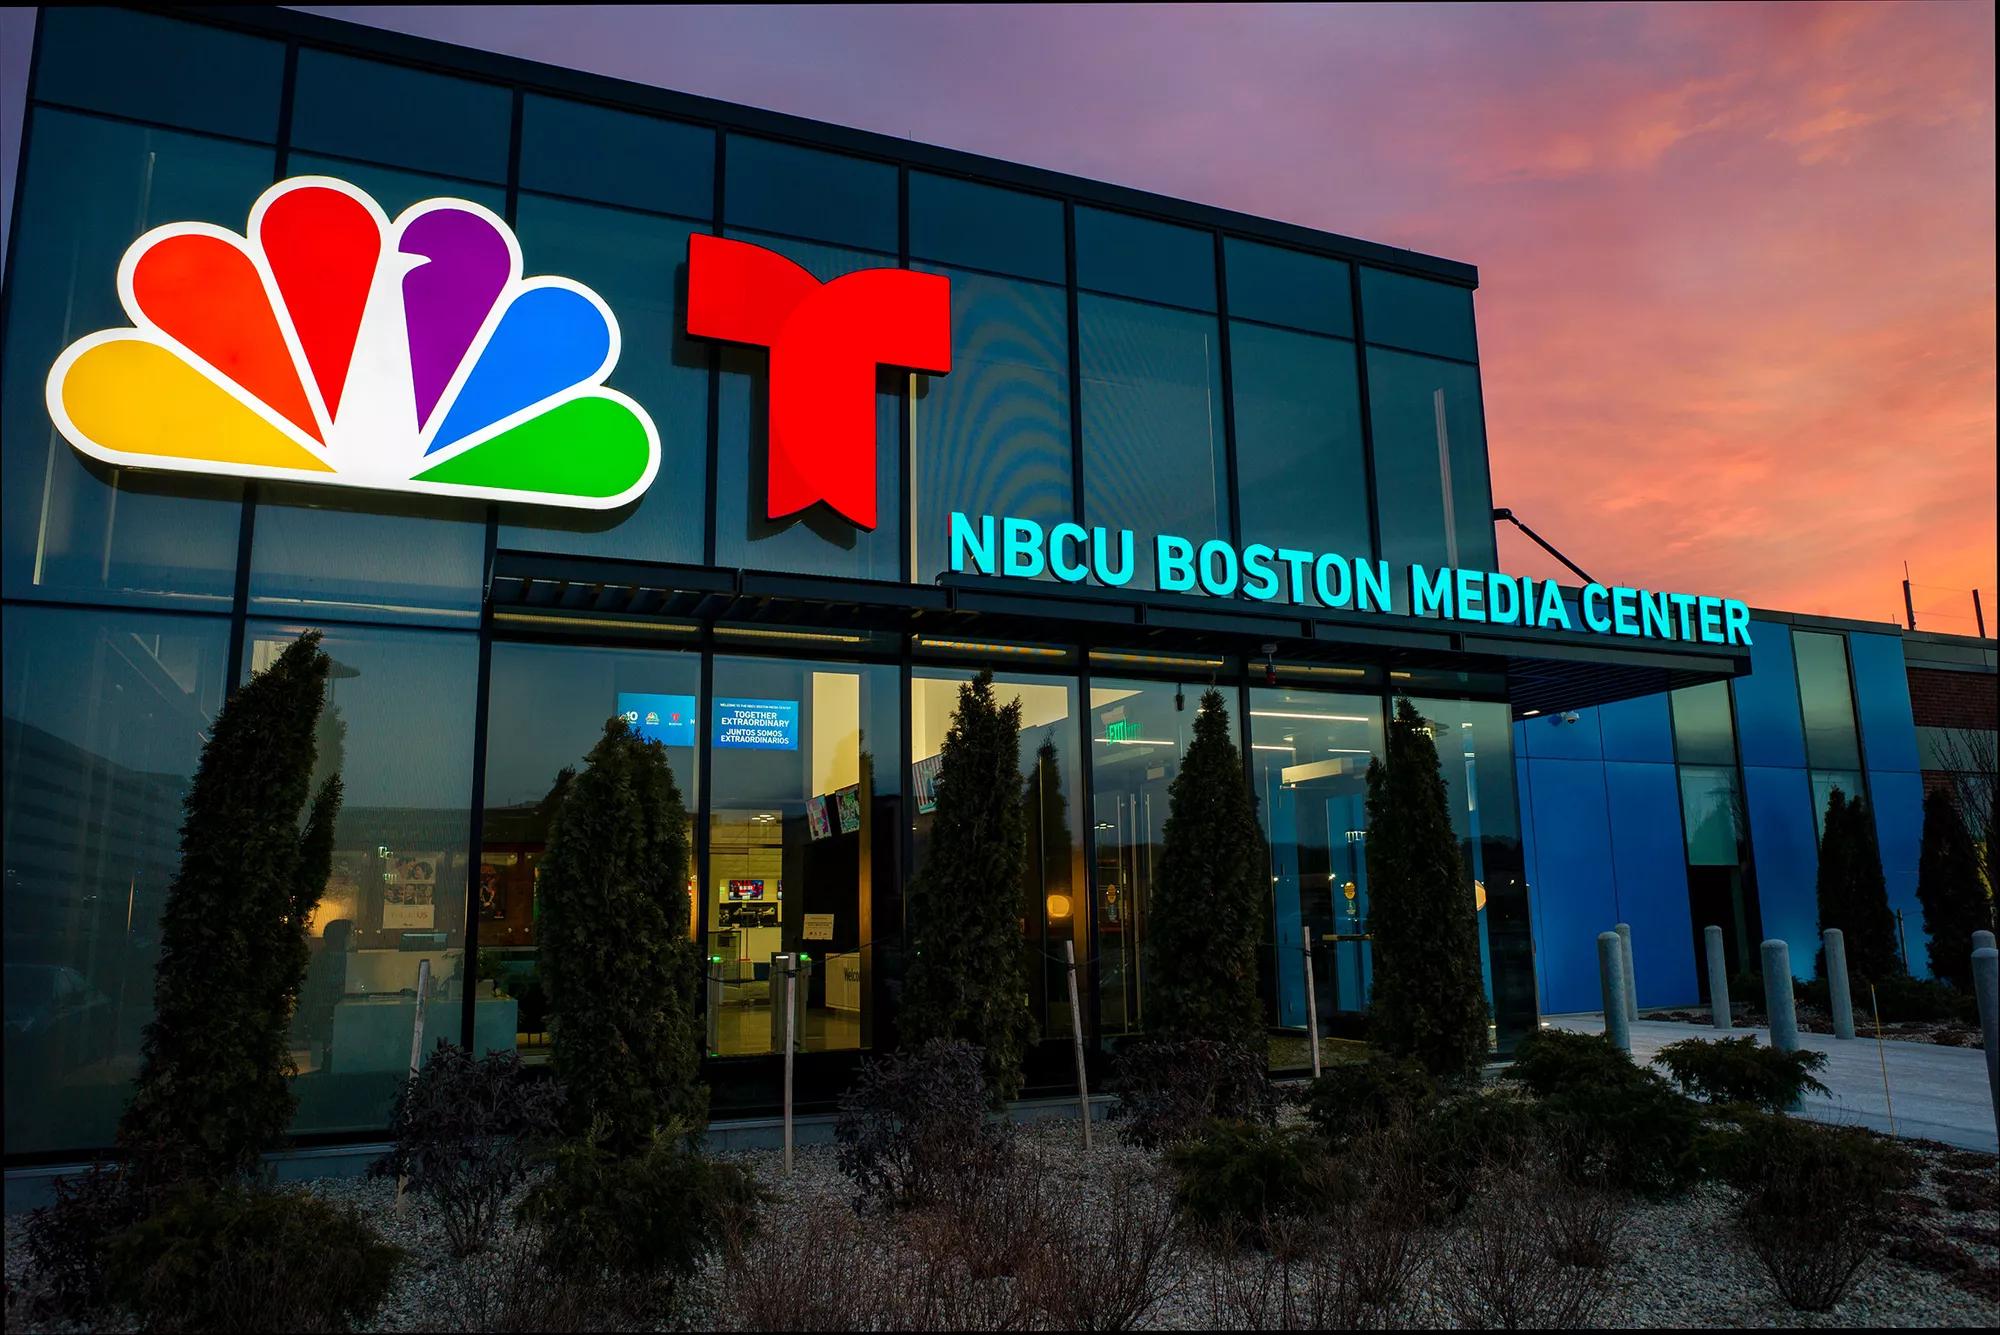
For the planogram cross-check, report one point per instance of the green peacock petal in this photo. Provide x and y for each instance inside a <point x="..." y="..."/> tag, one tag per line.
<point x="586" y="447"/>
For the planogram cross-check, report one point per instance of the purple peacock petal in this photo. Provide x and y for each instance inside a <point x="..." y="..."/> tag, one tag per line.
<point x="446" y="300"/>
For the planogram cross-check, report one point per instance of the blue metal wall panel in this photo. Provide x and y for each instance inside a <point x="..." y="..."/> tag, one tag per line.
<point x="1785" y="839"/>
<point x="1548" y="737"/>
<point x="1899" y="830"/>
<point x="1641" y="729"/>
<point x="1573" y="897"/>
<point x="1769" y="730"/>
<point x="1652" y="891"/>
<point x="1882" y="699"/>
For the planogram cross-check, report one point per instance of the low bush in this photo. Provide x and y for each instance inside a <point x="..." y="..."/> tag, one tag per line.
<point x="1359" y="1096"/>
<point x="1742" y="1070"/>
<point x="1168" y="1089"/>
<point x="1814" y="1199"/>
<point x="1635" y="1134"/>
<point x="655" y="1214"/>
<point x="1110" y="1273"/>
<point x="1463" y="1142"/>
<point x="913" y="1128"/>
<point x="1512" y="1256"/>
<point x="466" y="1133"/>
<point x="1235" y="1179"/>
<point x="68" y="1240"/>
<point x="1551" y="1061"/>
<point x="1902" y="997"/>
<point x="240" y="1258"/>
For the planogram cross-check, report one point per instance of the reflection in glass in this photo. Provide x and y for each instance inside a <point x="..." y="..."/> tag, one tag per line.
<point x="1309" y="756"/>
<point x="1139" y="730"/>
<point x="993" y="436"/>
<point x="81" y="530"/>
<point x="105" y="717"/>
<point x="1287" y="287"/>
<point x="954" y="221"/>
<point x="1826" y="697"/>
<point x="800" y="191"/>
<point x="1704" y="731"/>
<point x="1300" y="466"/>
<point x="1051" y="894"/>
<point x="1140" y="257"/>
<point x="382" y="112"/>
<point x="547" y="707"/>
<point x="1430" y="464"/>
<point x="1419" y="314"/>
<point x="1153" y="458"/>
<point x="802" y="834"/>
<point x="1825" y="783"/>
<point x="398" y="730"/>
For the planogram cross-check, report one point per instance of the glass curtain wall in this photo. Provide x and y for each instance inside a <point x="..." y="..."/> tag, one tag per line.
<point x="1721" y="883"/>
<point x="548" y="706"/>
<point x="1309" y="762"/>
<point x="396" y="894"/>
<point x="802" y="834"/>
<point x="1052" y="904"/>
<point x="1139" y="730"/>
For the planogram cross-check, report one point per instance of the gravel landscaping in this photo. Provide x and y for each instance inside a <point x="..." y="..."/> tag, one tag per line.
<point x="1680" y="1262"/>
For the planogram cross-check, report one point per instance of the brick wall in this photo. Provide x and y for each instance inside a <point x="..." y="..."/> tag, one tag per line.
<point x="1941" y="699"/>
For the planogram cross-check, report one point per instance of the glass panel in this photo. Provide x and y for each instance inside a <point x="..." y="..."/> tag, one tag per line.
<point x="412" y="118"/>
<point x="1824" y="782"/>
<point x="379" y="556"/>
<point x="1713" y="816"/>
<point x="1475" y="746"/>
<point x="1139" y="731"/>
<point x="1430" y="465"/>
<point x="964" y="222"/>
<point x="105" y="716"/>
<point x="1287" y="287"/>
<point x="1827" y="700"/>
<point x="153" y="68"/>
<point x="1704" y="732"/>
<point x="398" y="731"/>
<point x="814" y="540"/>
<point x="640" y="161"/>
<point x="75" y="529"/>
<point x="395" y="190"/>
<point x="809" y="192"/>
<point x="1309" y="757"/>
<point x="1418" y="314"/>
<point x="1300" y="464"/>
<point x="798" y="804"/>
<point x="993" y="436"/>
<point x="1136" y="257"/>
<point x="1051" y="894"/>
<point x="638" y="265"/>
<point x="1153" y="456"/>
<point x="547" y="707"/>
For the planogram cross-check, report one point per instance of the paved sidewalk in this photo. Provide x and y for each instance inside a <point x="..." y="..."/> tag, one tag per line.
<point x="1938" y="1093"/>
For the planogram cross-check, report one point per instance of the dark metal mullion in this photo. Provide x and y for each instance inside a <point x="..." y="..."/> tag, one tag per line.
<point x="714" y="377"/>
<point x="1075" y="367"/>
<point x="1234" y="531"/>
<point x="906" y="845"/>
<point x="1092" y="976"/>
<point x="1367" y="415"/>
<point x="905" y="436"/>
<point x="704" y="788"/>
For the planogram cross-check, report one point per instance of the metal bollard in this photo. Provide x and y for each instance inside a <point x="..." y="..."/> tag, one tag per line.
<point x="1986" y="983"/>
<point x="1718" y="976"/>
<point x="1611" y="970"/>
<point x="1839" y="997"/>
<point x="1778" y="1005"/>
<point x="1983" y="940"/>
<point x="1624" y="931"/>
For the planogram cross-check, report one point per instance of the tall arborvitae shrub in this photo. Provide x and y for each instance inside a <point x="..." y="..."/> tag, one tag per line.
<point x="967" y="977"/>
<point x="622" y="975"/>
<point x="1208" y="920"/>
<point x="213" y="1088"/>
<point x="1951" y="890"/>
<point x="1852" y="894"/>
<point x="1429" y="1002"/>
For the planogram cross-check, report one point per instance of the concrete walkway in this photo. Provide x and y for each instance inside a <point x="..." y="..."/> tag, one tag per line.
<point x="1938" y="1093"/>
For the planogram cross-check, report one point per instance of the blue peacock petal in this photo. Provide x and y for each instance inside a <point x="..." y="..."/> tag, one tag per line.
<point x="548" y="339"/>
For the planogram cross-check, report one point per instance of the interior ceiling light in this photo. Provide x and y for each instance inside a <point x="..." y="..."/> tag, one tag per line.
<point x="1329" y="718"/>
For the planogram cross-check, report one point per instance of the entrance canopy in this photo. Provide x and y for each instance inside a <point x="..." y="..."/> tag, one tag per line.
<point x="1536" y="671"/>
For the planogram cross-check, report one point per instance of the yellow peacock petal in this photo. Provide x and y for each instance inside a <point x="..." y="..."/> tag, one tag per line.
<point x="136" y="397"/>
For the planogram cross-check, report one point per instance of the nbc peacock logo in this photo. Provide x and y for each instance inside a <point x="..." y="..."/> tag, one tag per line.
<point x="328" y="344"/>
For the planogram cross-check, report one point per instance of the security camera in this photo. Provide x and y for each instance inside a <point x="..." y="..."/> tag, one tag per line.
<point x="1571" y="716"/>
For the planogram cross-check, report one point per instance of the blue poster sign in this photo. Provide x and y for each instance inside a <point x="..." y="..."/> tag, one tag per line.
<point x="768" y="725"/>
<point x="659" y="718"/>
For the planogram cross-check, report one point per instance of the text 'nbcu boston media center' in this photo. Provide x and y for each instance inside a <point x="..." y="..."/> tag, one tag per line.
<point x="549" y="397"/>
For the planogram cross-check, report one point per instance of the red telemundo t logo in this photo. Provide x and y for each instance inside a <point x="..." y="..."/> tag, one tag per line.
<point x="826" y="341"/>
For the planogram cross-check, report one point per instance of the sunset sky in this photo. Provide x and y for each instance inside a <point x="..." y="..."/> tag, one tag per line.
<point x="1736" y="308"/>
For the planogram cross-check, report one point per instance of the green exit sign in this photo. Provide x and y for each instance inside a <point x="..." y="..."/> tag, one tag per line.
<point x="1121" y="730"/>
